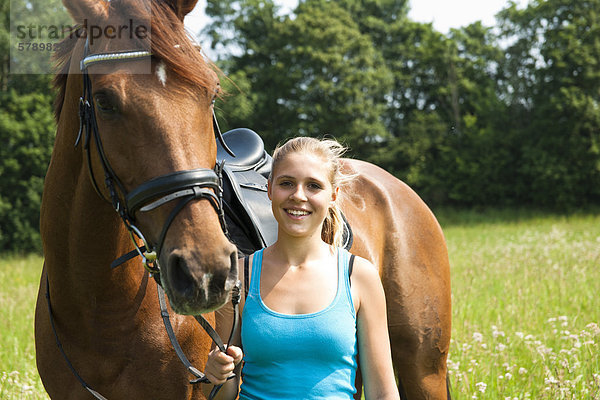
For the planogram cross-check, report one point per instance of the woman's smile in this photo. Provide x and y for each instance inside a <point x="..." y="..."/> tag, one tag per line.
<point x="295" y="213"/>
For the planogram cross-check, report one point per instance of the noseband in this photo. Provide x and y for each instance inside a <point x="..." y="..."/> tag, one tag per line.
<point x="185" y="185"/>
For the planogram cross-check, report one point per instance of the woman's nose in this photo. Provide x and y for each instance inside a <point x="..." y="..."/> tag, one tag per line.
<point x="298" y="194"/>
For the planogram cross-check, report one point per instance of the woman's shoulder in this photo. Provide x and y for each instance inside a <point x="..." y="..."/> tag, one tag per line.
<point x="364" y="272"/>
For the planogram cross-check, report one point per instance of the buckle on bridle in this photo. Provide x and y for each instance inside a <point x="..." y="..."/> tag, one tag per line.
<point x="149" y="256"/>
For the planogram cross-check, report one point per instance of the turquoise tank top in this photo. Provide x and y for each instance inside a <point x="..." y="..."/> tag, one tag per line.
<point x="299" y="356"/>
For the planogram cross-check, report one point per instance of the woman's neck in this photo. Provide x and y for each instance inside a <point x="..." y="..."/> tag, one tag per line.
<point x="298" y="251"/>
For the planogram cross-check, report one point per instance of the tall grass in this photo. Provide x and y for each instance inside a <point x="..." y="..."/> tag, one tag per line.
<point x="526" y="309"/>
<point x="19" y="279"/>
<point x="526" y="306"/>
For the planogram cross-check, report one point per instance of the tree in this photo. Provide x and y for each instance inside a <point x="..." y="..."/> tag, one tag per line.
<point x="27" y="135"/>
<point x="554" y="84"/>
<point x="312" y="74"/>
<point x="26" y="123"/>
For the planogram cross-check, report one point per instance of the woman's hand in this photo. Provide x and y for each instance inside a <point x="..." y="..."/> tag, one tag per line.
<point x="219" y="365"/>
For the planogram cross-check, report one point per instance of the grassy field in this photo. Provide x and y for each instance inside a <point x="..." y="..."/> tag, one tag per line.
<point x="526" y="306"/>
<point x="526" y="309"/>
<point x="19" y="279"/>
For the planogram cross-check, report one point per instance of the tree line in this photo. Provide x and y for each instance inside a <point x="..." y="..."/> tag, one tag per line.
<point x="482" y="116"/>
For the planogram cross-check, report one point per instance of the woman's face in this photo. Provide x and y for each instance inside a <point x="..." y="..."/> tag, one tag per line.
<point x="301" y="194"/>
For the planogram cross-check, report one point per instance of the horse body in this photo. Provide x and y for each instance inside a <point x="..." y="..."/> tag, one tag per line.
<point x="396" y="231"/>
<point x="108" y="320"/>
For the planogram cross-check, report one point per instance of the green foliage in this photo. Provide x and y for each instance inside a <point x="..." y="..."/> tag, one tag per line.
<point x="554" y="80"/>
<point x="26" y="124"/>
<point x="476" y="117"/>
<point x="26" y="134"/>
<point x="315" y="74"/>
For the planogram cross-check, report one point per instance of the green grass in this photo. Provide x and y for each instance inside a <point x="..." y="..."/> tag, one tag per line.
<point x="19" y="279"/>
<point x="526" y="308"/>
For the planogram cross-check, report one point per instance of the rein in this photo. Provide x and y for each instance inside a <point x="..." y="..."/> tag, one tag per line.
<point x="185" y="186"/>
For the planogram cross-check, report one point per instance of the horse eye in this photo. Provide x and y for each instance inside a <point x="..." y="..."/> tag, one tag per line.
<point x="104" y="104"/>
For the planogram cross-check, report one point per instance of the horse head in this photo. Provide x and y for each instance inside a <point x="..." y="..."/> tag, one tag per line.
<point x="144" y="94"/>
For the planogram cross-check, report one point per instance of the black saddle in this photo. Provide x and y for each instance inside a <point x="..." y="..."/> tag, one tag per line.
<point x="250" y="222"/>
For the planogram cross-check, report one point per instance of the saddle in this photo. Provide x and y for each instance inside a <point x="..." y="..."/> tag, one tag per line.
<point x="250" y="222"/>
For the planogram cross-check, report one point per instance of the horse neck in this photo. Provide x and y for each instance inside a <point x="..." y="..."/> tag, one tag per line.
<point x="81" y="233"/>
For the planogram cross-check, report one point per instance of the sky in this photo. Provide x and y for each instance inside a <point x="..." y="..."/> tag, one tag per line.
<point x="444" y="14"/>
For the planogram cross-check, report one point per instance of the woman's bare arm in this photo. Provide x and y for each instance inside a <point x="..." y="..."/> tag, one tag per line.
<point x="373" y="337"/>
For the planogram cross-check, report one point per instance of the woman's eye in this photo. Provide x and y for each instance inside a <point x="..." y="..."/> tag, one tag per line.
<point x="314" y="186"/>
<point x="285" y="183"/>
<point x="104" y="104"/>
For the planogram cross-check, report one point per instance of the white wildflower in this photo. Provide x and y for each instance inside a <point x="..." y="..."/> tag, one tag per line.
<point x="477" y="337"/>
<point x="594" y="329"/>
<point x="481" y="386"/>
<point x="550" y="380"/>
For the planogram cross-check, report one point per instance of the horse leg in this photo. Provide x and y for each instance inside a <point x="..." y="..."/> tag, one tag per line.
<point x="419" y="364"/>
<point x="419" y="325"/>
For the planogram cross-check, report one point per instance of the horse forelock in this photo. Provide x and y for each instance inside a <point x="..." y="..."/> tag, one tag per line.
<point x="169" y="42"/>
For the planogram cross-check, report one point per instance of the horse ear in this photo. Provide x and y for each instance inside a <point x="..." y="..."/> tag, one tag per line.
<point x="87" y="10"/>
<point x="182" y="7"/>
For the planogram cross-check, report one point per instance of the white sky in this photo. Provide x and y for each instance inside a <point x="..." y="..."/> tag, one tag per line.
<point x="444" y="14"/>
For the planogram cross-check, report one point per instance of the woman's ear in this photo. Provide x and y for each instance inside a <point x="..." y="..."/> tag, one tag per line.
<point x="269" y="189"/>
<point x="334" y="194"/>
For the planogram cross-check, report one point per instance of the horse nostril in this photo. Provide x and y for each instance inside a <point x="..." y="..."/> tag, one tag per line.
<point x="179" y="274"/>
<point x="217" y="281"/>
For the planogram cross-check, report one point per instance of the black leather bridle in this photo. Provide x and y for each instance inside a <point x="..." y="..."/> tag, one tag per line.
<point x="185" y="186"/>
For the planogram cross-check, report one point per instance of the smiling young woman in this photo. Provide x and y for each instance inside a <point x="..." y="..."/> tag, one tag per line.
<point x="307" y="322"/>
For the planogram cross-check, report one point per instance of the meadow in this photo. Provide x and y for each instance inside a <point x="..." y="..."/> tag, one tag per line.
<point x="526" y="308"/>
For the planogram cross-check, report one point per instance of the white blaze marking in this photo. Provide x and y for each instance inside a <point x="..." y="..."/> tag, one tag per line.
<point x="161" y="73"/>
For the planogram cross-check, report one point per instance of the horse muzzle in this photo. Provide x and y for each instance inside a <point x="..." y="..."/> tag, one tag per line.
<point x="196" y="284"/>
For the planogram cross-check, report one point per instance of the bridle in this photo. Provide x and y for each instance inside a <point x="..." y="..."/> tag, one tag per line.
<point x="184" y="185"/>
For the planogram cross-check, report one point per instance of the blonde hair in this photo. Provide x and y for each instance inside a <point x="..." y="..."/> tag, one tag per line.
<point x="330" y="151"/>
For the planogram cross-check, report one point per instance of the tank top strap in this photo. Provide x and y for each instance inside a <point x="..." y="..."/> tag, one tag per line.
<point x="344" y="277"/>
<point x="255" y="274"/>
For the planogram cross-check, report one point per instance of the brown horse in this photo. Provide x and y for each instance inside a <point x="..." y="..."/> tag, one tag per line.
<point x="153" y="118"/>
<point x="155" y="128"/>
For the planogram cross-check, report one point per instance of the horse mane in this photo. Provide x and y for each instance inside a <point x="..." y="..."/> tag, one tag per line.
<point x="169" y="42"/>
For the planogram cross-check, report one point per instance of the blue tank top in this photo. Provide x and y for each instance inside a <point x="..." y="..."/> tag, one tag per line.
<point x="299" y="356"/>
